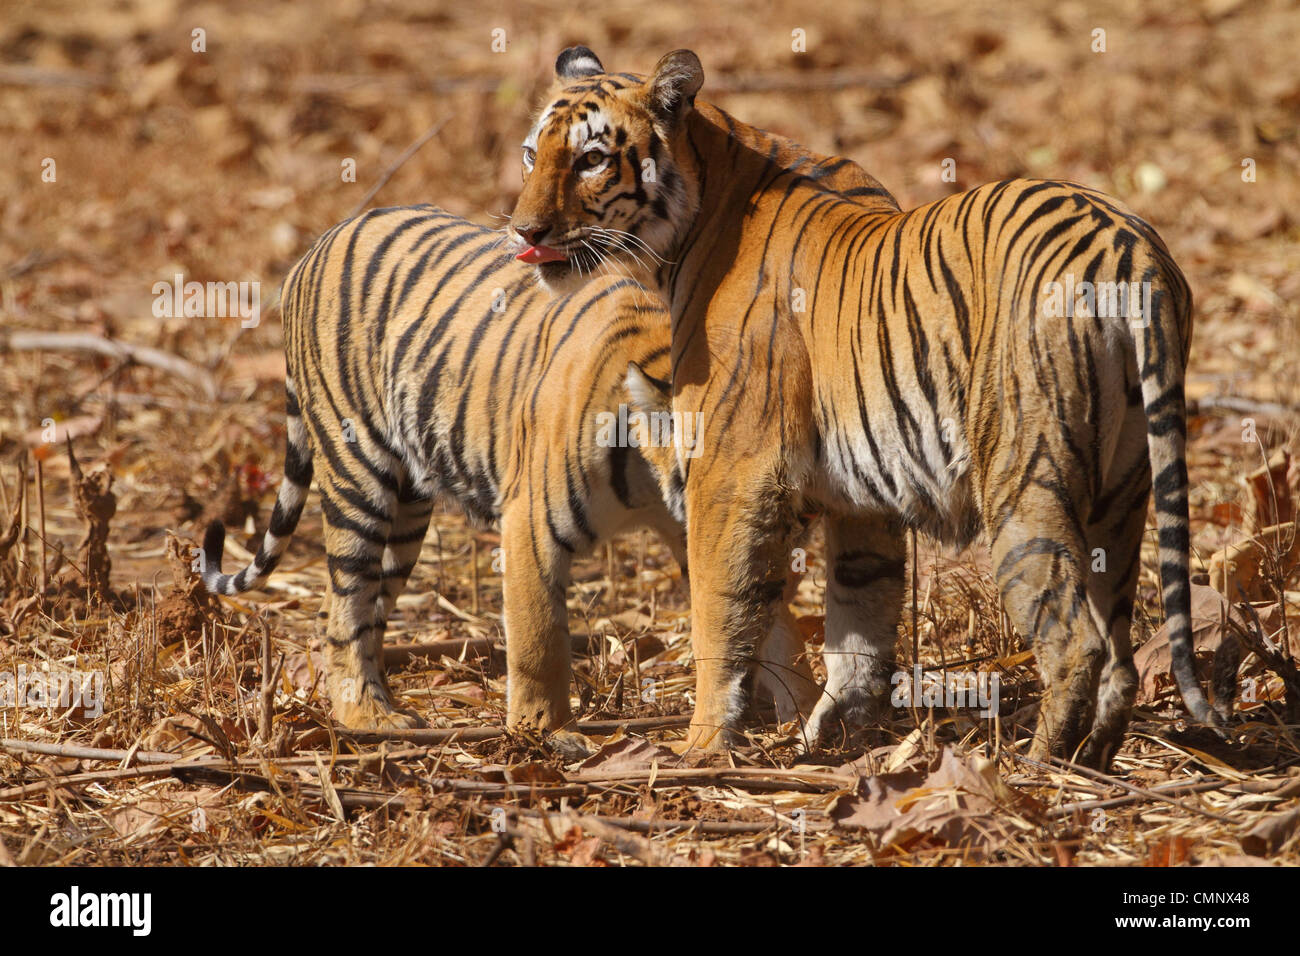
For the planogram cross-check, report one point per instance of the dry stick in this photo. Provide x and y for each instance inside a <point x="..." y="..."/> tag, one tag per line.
<point x="121" y="351"/>
<point x="158" y="756"/>
<point x="85" y="753"/>
<point x="1277" y="788"/>
<point x="76" y="779"/>
<point x="396" y="655"/>
<point x="1058" y="764"/>
<point x="609" y="573"/>
<point x="268" y="688"/>
<point x="40" y="509"/>
<point x="715" y="827"/>
<point x="640" y="568"/>
<point x="1234" y="403"/>
<point x="758" y="778"/>
<point x="473" y="561"/>
<point x="477" y="734"/>
<point x="388" y="173"/>
<point x="916" y="634"/>
<point x="177" y="764"/>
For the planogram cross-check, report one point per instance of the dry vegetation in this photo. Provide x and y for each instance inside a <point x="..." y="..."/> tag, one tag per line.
<point x="214" y="745"/>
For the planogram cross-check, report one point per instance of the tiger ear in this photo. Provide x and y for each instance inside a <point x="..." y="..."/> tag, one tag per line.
<point x="678" y="76"/>
<point x="575" y="63"/>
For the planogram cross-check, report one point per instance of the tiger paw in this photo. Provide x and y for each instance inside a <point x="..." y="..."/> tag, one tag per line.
<point x="837" y="720"/>
<point x="371" y="714"/>
<point x="711" y="735"/>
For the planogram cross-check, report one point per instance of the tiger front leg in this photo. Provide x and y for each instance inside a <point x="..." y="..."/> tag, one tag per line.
<point x="738" y="544"/>
<point x="864" y="599"/>
<point x="538" y="665"/>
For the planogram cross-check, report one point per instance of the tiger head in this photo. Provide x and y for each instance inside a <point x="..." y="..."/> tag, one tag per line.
<point x="601" y="188"/>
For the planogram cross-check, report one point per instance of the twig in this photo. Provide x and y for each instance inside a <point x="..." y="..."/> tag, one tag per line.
<point x="411" y="150"/>
<point x="162" y="768"/>
<point x="1277" y="788"/>
<point x="85" y="753"/>
<point x="121" y="351"/>
<point x="1057" y="763"/>
<point x="477" y="734"/>
<point x="1235" y="403"/>
<point x="268" y="688"/>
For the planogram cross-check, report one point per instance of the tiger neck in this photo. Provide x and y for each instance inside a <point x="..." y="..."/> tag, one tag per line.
<point x="735" y="167"/>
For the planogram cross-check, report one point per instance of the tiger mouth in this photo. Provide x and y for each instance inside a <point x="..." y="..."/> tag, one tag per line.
<point x="539" y="254"/>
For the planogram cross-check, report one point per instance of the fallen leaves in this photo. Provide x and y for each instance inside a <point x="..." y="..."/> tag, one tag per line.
<point x="960" y="803"/>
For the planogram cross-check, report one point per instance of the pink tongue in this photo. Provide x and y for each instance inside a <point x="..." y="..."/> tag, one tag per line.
<point x="535" y="254"/>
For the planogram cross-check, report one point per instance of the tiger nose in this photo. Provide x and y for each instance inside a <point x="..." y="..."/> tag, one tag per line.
<point x="533" y="235"/>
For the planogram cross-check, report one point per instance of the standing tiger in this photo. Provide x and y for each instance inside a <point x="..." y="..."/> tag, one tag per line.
<point x="423" y="360"/>
<point x="893" y="370"/>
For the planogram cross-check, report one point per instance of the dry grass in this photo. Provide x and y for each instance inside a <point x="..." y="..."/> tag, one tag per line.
<point x="223" y="165"/>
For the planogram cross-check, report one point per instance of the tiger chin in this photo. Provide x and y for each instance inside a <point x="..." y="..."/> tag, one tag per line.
<point x="902" y="369"/>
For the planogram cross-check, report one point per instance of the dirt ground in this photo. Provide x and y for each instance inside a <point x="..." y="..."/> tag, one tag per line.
<point x="134" y="156"/>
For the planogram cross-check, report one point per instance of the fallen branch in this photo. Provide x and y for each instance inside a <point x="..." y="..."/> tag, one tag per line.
<point x="395" y="655"/>
<point x="1239" y="404"/>
<point x="1282" y="789"/>
<point x="411" y="150"/>
<point x="477" y="734"/>
<point x="86" y="753"/>
<point x="1057" y="764"/>
<point x="121" y="351"/>
<point x="711" y="827"/>
<point x="156" y="767"/>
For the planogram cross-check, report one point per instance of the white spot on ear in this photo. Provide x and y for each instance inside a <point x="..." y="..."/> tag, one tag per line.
<point x="583" y="66"/>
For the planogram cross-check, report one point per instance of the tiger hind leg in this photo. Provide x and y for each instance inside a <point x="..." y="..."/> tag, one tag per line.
<point x="358" y="555"/>
<point x="864" y="600"/>
<point x="1039" y="564"/>
<point x="1115" y="530"/>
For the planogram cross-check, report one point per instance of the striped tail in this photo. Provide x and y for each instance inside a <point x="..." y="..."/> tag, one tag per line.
<point x="284" y="519"/>
<point x="1162" y="348"/>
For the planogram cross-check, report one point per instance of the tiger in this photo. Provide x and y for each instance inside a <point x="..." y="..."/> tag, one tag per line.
<point x="938" y="369"/>
<point x="423" y="360"/>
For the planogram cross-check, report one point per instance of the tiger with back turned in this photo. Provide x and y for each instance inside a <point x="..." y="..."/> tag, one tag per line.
<point x="424" y="360"/>
<point x="892" y="370"/>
